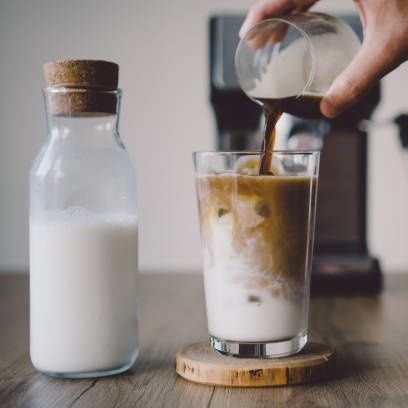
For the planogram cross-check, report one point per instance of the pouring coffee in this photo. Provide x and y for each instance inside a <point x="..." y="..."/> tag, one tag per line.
<point x="287" y="64"/>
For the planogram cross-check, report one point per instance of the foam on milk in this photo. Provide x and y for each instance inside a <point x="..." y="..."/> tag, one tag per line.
<point x="85" y="265"/>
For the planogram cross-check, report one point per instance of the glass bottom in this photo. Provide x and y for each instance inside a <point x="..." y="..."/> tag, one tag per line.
<point x="260" y="350"/>
<point x="93" y="374"/>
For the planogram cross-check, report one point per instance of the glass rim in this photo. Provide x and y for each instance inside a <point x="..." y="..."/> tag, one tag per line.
<point x="79" y="89"/>
<point x="254" y="152"/>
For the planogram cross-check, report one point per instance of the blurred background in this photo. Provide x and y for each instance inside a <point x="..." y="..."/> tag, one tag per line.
<point x="162" y="49"/>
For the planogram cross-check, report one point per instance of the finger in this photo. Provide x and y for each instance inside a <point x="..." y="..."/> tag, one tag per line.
<point x="367" y="68"/>
<point x="270" y="8"/>
<point x="278" y="33"/>
<point x="361" y="12"/>
<point x="272" y="33"/>
<point x="263" y="9"/>
<point x="257" y="38"/>
<point x="303" y="8"/>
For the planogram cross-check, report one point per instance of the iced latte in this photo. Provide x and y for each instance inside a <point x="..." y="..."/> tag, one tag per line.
<point x="257" y="235"/>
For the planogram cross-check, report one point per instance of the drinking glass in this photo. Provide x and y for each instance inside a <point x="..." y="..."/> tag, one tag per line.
<point x="257" y="240"/>
<point x="294" y="55"/>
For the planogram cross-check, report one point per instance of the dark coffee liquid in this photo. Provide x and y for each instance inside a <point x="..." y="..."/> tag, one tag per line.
<point x="304" y="106"/>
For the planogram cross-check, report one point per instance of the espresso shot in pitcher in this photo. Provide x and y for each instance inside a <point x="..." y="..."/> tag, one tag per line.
<point x="287" y="64"/>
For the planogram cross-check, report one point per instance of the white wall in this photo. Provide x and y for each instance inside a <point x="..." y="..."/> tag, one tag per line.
<point x="161" y="47"/>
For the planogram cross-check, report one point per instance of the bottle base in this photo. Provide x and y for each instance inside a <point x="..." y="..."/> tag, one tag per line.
<point x="91" y="374"/>
<point x="262" y="349"/>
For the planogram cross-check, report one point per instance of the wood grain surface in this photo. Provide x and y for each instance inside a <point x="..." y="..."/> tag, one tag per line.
<point x="201" y="364"/>
<point x="369" y="334"/>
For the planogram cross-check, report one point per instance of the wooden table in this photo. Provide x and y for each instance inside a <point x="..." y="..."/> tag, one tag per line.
<point x="369" y="333"/>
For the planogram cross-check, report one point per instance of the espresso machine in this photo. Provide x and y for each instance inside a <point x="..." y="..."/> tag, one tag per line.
<point x="342" y="262"/>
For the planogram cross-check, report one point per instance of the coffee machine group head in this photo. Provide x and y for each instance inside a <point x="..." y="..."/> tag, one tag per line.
<point x="342" y="261"/>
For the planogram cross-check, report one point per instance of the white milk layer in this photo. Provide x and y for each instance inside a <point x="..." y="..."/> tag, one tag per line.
<point x="239" y="310"/>
<point x="83" y="271"/>
<point x="298" y="69"/>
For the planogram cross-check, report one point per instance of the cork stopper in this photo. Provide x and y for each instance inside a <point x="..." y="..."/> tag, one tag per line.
<point x="82" y="74"/>
<point x="82" y="87"/>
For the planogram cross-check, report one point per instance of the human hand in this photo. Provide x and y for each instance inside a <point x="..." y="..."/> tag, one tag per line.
<point x="385" y="45"/>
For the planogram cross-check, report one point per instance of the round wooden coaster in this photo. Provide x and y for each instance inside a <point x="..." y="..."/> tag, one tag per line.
<point x="201" y="364"/>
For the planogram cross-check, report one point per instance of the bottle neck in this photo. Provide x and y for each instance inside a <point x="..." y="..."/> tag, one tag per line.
<point x="82" y="114"/>
<point x="89" y="127"/>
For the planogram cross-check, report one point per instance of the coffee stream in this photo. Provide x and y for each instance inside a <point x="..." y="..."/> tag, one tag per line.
<point x="304" y="106"/>
<point x="272" y="112"/>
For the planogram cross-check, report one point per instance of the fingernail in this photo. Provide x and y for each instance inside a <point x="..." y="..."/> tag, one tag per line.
<point x="243" y="30"/>
<point x="327" y="108"/>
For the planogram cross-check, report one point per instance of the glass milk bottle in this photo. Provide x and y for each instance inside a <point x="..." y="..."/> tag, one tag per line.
<point x="83" y="228"/>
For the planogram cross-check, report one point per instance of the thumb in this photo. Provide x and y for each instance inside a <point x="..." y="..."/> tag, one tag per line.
<point x="369" y="65"/>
